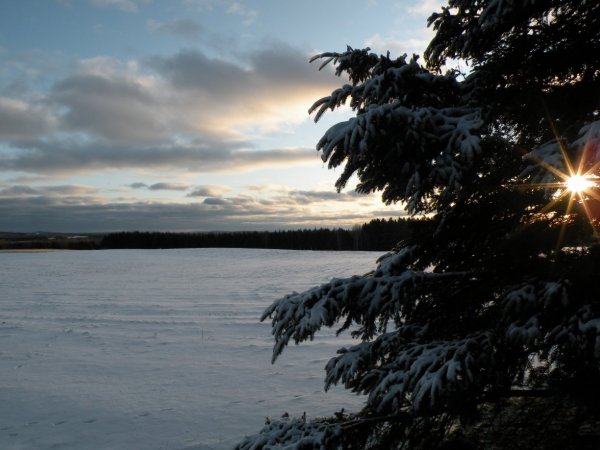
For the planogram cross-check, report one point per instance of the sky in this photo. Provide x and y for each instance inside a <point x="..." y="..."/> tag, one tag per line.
<point x="181" y="115"/>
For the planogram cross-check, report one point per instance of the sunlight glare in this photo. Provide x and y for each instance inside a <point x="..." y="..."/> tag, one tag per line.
<point x="578" y="183"/>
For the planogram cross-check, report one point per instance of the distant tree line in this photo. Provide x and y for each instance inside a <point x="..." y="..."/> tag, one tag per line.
<point x="377" y="235"/>
<point x="25" y="241"/>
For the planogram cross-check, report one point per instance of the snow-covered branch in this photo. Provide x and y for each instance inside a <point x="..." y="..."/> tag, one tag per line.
<point x="412" y="154"/>
<point x="370" y="301"/>
<point x="363" y="298"/>
<point x="400" y="368"/>
<point x="292" y="434"/>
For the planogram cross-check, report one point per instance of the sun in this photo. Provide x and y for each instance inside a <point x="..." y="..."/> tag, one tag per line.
<point x="579" y="183"/>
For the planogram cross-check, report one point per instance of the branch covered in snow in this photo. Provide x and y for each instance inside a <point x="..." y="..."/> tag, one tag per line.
<point x="383" y="80"/>
<point x="400" y="369"/>
<point x="526" y="304"/>
<point x="411" y="137"/>
<point x="412" y="154"/>
<point x="482" y="23"/>
<point x="362" y="299"/>
<point x="543" y="161"/>
<point x="370" y="301"/>
<point x="292" y="434"/>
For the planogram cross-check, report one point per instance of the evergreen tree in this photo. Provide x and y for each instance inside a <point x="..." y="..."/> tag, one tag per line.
<point x="482" y="329"/>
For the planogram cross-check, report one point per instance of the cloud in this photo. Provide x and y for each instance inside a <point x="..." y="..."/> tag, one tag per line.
<point x="201" y="155"/>
<point x="89" y="214"/>
<point x="273" y="85"/>
<point x="286" y="202"/>
<point x="198" y="191"/>
<point x="186" y="28"/>
<point x="123" y="5"/>
<point x="189" y="93"/>
<point x="17" y="191"/>
<point x="69" y="190"/>
<point x="192" y="69"/>
<point x="248" y="15"/>
<point x="200" y="5"/>
<point x="169" y="187"/>
<point x="182" y="112"/>
<point x="214" y="201"/>
<point x="277" y="208"/>
<point x="208" y="191"/>
<point x="116" y="108"/>
<point x="267" y="187"/>
<point x="60" y="190"/>
<point x="274" y="67"/>
<point x="19" y="120"/>
<point x="326" y="195"/>
<point x="237" y="8"/>
<point x="398" y="47"/>
<point x="425" y="7"/>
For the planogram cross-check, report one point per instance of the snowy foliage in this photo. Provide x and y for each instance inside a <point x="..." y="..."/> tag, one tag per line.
<point x="547" y="154"/>
<point x="493" y="297"/>
<point x="370" y="301"/>
<point x="473" y="29"/>
<point x="550" y="154"/>
<point x="292" y="434"/>
<point x="399" y="369"/>
<point x="411" y="137"/>
<point x="589" y="136"/>
<point x="525" y="305"/>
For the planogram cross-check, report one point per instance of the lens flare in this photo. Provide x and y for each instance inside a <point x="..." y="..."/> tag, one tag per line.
<point x="578" y="183"/>
<point x="577" y="186"/>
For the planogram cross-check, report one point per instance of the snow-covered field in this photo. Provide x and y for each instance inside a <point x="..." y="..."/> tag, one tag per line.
<point x="156" y="349"/>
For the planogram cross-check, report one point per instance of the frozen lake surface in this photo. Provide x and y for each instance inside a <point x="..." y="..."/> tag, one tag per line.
<point x="156" y="349"/>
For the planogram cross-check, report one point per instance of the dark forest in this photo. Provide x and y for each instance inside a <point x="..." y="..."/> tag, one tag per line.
<point x="376" y="235"/>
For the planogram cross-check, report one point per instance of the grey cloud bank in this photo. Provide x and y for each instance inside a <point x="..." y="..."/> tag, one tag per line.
<point x="21" y="120"/>
<point x="22" y="190"/>
<point x="63" y="157"/>
<point x="208" y="191"/>
<point x="268" y="70"/>
<point x="77" y="214"/>
<point x="181" y="114"/>
<point x="169" y="187"/>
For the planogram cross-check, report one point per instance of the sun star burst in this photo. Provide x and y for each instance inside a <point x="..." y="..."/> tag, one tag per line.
<point x="579" y="183"/>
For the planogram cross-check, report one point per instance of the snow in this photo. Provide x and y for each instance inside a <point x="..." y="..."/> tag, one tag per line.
<point x="547" y="154"/>
<point x="291" y="434"/>
<point x="157" y="349"/>
<point x="455" y="130"/>
<point x="524" y="304"/>
<point x="426" y="372"/>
